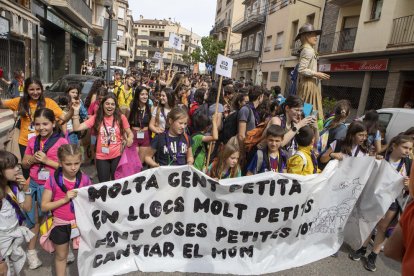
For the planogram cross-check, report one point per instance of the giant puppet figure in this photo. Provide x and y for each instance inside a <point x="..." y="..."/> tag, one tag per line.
<point x="308" y="79"/>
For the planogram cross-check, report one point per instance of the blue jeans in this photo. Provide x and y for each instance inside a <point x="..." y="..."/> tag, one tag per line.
<point x="36" y="192"/>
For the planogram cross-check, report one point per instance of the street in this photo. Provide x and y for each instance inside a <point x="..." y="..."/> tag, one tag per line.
<point x="340" y="266"/>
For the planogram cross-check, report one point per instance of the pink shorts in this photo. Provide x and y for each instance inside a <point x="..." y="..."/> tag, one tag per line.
<point x="144" y="142"/>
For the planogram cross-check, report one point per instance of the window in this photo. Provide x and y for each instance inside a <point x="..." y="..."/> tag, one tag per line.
<point x="255" y="7"/>
<point x="279" y="41"/>
<point x="268" y="43"/>
<point x="244" y="44"/>
<point x="144" y="32"/>
<point x="262" y="6"/>
<point x="121" y="13"/>
<point x="120" y="34"/>
<point x="376" y="9"/>
<point x="294" y="32"/>
<point x="248" y="12"/>
<point x="250" y="45"/>
<point x="310" y="18"/>
<point x="143" y="53"/>
<point x="100" y="15"/>
<point x="259" y="38"/>
<point x="274" y="76"/>
<point x="228" y="2"/>
<point x="144" y="43"/>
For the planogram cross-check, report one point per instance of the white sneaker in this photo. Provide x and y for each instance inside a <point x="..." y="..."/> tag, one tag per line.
<point x="33" y="260"/>
<point x="71" y="257"/>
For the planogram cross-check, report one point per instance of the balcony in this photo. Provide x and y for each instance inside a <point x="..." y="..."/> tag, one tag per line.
<point x="246" y="54"/>
<point x="77" y="10"/>
<point x="249" y="22"/>
<point x="402" y="32"/>
<point x="152" y="37"/>
<point x="338" y="42"/>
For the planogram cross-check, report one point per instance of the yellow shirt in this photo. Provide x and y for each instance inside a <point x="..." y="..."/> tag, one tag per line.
<point x="124" y="98"/>
<point x="13" y="104"/>
<point x="296" y="164"/>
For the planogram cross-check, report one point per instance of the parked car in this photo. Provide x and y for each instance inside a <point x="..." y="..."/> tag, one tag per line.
<point x="58" y="89"/>
<point x="101" y="71"/>
<point x="395" y="120"/>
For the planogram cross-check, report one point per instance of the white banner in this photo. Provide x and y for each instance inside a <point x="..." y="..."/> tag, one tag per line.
<point x="158" y="55"/>
<point x="178" y="219"/>
<point x="224" y="66"/>
<point x="175" y="41"/>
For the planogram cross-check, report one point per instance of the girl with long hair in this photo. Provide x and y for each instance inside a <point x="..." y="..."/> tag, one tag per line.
<point x="111" y="128"/>
<point x="374" y="135"/>
<point x="139" y="118"/>
<point x="226" y="165"/>
<point x="159" y="114"/>
<point x="15" y="198"/>
<point x="41" y="158"/>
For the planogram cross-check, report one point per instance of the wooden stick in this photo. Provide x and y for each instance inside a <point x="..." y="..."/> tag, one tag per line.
<point x="210" y="148"/>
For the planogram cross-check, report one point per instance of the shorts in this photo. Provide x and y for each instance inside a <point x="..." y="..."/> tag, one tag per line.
<point x="145" y="142"/>
<point x="60" y="234"/>
<point x="394" y="206"/>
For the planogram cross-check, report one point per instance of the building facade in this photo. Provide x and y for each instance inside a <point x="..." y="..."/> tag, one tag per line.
<point x="228" y="13"/>
<point x="152" y="36"/>
<point x="18" y="46"/>
<point x="251" y="27"/>
<point x="367" y="47"/>
<point x="280" y="50"/>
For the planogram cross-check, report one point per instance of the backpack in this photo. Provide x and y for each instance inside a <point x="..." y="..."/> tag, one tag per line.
<point x="294" y="80"/>
<point x="49" y="143"/>
<point x="261" y="159"/>
<point x="231" y="126"/>
<point x="202" y="109"/>
<point x="54" y="181"/>
<point x="254" y="136"/>
<point x="14" y="203"/>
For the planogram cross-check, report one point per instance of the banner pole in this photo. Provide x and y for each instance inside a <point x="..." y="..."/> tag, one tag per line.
<point x="211" y="144"/>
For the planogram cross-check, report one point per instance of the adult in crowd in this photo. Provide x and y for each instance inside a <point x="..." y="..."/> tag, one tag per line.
<point x="16" y="85"/>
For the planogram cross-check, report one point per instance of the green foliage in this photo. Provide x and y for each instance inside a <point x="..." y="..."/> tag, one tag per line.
<point x="210" y="48"/>
<point x="328" y="104"/>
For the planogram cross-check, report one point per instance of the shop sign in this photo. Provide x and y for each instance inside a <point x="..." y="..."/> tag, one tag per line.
<point x="4" y="28"/>
<point x="245" y="65"/>
<point x="66" y="26"/>
<point x="360" y="65"/>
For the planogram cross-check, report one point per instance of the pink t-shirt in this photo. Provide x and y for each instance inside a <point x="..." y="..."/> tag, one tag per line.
<point x="64" y="212"/>
<point x="102" y="138"/>
<point x="93" y="108"/>
<point x="51" y="154"/>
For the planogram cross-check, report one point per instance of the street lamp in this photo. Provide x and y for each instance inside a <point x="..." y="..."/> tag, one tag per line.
<point x="108" y="6"/>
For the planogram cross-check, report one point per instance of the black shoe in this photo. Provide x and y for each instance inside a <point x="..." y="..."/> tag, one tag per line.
<point x="370" y="264"/>
<point x="358" y="254"/>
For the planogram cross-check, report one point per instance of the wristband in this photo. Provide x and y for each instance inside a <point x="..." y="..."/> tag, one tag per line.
<point x="28" y="192"/>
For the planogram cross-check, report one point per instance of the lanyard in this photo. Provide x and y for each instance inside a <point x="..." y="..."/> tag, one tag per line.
<point x="278" y="160"/>
<point x="170" y="151"/>
<point x="65" y="189"/>
<point x="141" y="116"/>
<point x="314" y="162"/>
<point x="29" y="113"/>
<point x="226" y="175"/>
<point x="357" y="151"/>
<point x="106" y="130"/>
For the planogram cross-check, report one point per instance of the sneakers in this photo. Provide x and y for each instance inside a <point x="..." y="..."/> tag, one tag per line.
<point x="71" y="257"/>
<point x="370" y="264"/>
<point x="33" y="260"/>
<point x="358" y="254"/>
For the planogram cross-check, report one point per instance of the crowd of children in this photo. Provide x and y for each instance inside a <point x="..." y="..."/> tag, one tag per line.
<point x="240" y="130"/>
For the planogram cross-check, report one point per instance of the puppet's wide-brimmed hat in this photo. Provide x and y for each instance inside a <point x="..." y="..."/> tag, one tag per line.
<point x="307" y="28"/>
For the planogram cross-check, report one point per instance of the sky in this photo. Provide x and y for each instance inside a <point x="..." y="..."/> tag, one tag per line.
<point x="196" y="14"/>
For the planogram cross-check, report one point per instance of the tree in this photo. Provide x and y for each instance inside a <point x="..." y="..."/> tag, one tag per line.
<point x="209" y="51"/>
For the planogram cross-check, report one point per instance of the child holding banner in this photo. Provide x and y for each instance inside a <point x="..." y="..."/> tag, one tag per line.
<point x="15" y="197"/>
<point x="273" y="157"/>
<point x="41" y="157"/>
<point x="354" y="144"/>
<point x="60" y="189"/>
<point x="226" y="165"/>
<point x="397" y="155"/>
<point x="172" y="147"/>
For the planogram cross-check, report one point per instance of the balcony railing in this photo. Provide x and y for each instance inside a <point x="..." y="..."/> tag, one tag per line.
<point x="246" y="54"/>
<point x="152" y="37"/>
<point x="338" y="42"/>
<point x="402" y="31"/>
<point x="249" y="22"/>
